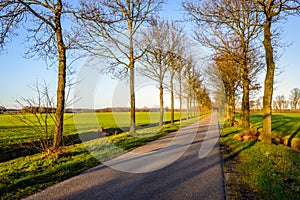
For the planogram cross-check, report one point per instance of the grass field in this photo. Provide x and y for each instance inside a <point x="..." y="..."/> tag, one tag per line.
<point x="285" y="128"/>
<point x="12" y="130"/>
<point x="254" y="170"/>
<point x="22" y="175"/>
<point x="16" y="138"/>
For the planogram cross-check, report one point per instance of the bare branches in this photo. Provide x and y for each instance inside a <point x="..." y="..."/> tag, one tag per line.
<point x="43" y="19"/>
<point x="112" y="25"/>
<point x="11" y="14"/>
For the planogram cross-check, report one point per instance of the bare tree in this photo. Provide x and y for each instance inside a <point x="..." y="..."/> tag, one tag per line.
<point x="225" y="69"/>
<point x="175" y="41"/>
<point x="110" y="30"/>
<point x="190" y="75"/>
<point x="229" y="26"/>
<point x="272" y="11"/>
<point x="295" y="98"/>
<point x="41" y="106"/>
<point x="43" y="20"/>
<point x="154" y="61"/>
<point x="179" y="76"/>
<point x="280" y="101"/>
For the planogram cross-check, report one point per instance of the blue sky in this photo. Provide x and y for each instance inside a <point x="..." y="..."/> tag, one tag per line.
<point x="18" y="72"/>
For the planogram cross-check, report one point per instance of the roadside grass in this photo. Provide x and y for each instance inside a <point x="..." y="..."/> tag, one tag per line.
<point x="254" y="170"/>
<point x="17" y="139"/>
<point x="23" y="176"/>
<point x="285" y="128"/>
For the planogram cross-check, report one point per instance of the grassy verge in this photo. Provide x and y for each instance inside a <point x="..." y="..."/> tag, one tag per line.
<point x="17" y="139"/>
<point x="23" y="176"/>
<point x="254" y="170"/>
<point x="285" y="128"/>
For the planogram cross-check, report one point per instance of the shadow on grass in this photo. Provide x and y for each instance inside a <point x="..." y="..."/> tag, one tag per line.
<point x="17" y="150"/>
<point x="289" y="143"/>
<point x="231" y="154"/>
<point x="38" y="180"/>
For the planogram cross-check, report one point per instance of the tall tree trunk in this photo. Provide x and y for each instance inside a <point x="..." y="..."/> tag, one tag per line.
<point x="131" y="77"/>
<point x="62" y="65"/>
<point x="180" y="97"/>
<point x="245" y="101"/>
<point x="230" y="107"/>
<point x="172" y="97"/>
<point x="269" y="82"/>
<point x="194" y="106"/>
<point x="161" y="104"/>
<point x="188" y="105"/>
<point x="132" y="102"/>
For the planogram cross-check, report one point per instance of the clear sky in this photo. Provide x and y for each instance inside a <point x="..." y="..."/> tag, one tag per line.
<point x="18" y="72"/>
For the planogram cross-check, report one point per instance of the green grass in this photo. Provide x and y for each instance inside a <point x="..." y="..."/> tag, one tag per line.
<point x="254" y="170"/>
<point x="285" y="128"/>
<point x="16" y="138"/>
<point x="22" y="176"/>
<point x="283" y="124"/>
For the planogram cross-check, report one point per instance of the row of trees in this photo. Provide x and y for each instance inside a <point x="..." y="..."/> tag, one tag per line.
<point x="281" y="103"/>
<point x="238" y="32"/>
<point x="113" y="30"/>
<point x="169" y="62"/>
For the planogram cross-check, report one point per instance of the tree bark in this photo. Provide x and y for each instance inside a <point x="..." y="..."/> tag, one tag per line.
<point x="131" y="77"/>
<point x="60" y="105"/>
<point x="132" y="100"/>
<point x="230" y="107"/>
<point x="161" y="105"/>
<point x="180" y="98"/>
<point x="172" y="96"/>
<point x="269" y="82"/>
<point x="188" y="105"/>
<point x="245" y="101"/>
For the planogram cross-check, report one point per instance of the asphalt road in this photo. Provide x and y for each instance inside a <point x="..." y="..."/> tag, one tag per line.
<point x="185" y="165"/>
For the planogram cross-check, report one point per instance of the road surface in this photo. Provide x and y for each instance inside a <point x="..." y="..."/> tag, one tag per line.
<point x="186" y="165"/>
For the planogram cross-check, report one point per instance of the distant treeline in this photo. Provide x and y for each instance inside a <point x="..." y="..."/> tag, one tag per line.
<point x="34" y="110"/>
<point x="30" y="109"/>
<point x="119" y="109"/>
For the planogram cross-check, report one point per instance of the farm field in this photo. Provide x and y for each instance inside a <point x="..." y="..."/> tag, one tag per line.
<point x="285" y="127"/>
<point x="24" y="170"/>
<point x="283" y="124"/>
<point x="254" y="170"/>
<point x="12" y="130"/>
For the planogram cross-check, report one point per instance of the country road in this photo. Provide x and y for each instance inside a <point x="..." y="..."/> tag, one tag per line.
<point x="182" y="165"/>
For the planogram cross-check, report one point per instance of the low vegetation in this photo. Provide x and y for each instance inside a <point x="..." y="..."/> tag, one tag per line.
<point x="23" y="175"/>
<point x="254" y="170"/>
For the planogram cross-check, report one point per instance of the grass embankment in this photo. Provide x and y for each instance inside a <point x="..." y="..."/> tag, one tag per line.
<point x="25" y="175"/>
<point x="254" y="170"/>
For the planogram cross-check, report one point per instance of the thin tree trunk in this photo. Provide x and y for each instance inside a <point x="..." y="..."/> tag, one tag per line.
<point x="269" y="82"/>
<point x="132" y="92"/>
<point x="172" y="98"/>
<point x="232" y="108"/>
<point x="188" y="105"/>
<point x="60" y="104"/>
<point x="180" y="98"/>
<point x="132" y="102"/>
<point x="194" y="99"/>
<point x="161" y="105"/>
<point x="190" y="102"/>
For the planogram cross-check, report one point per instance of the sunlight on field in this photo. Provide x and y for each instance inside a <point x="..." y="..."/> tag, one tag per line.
<point x="13" y="130"/>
